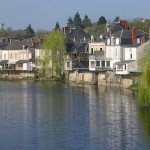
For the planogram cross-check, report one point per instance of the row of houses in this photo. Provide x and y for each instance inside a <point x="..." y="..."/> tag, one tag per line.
<point x="19" y="55"/>
<point x="118" y="49"/>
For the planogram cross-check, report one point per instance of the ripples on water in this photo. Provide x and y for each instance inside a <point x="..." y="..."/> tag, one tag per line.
<point x="54" y="116"/>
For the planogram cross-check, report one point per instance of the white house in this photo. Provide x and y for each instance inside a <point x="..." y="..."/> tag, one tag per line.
<point x="97" y="59"/>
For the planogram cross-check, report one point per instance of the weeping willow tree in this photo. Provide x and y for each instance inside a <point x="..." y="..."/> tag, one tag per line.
<point x="144" y="82"/>
<point x="54" y="47"/>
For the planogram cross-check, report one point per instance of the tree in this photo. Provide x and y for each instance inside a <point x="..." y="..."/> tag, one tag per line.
<point x="116" y="19"/>
<point x="144" y="82"/>
<point x="77" y="20"/>
<point x="29" y="32"/>
<point x="54" y="47"/>
<point x="70" y="22"/>
<point x="102" y="20"/>
<point x="57" y="27"/>
<point x="86" y="22"/>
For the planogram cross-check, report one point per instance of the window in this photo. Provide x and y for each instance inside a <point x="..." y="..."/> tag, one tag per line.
<point x="103" y="63"/>
<point x="98" y="63"/>
<point x="125" y="67"/>
<point x="25" y="56"/>
<point x="130" y="55"/>
<point x="68" y="64"/>
<point x="108" y="63"/>
<point x="87" y="49"/>
<point x="5" y="57"/>
<point x="91" y="50"/>
<point x="92" y="64"/>
<point x="15" y="56"/>
<point x="21" y="56"/>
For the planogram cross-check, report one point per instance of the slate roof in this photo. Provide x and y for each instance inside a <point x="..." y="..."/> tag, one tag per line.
<point x="22" y="61"/>
<point x="3" y="62"/>
<point x="78" y="34"/>
<point x="79" y="48"/>
<point x="125" y="62"/>
<point x="17" y="45"/>
<point x="128" y="34"/>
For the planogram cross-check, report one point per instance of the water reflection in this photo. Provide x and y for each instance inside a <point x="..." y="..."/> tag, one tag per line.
<point x="112" y="118"/>
<point x="70" y="117"/>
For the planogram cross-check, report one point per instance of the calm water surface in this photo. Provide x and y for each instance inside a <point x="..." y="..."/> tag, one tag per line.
<point x="54" y="116"/>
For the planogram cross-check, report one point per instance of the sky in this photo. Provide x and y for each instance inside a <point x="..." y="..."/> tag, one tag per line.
<point x="43" y="14"/>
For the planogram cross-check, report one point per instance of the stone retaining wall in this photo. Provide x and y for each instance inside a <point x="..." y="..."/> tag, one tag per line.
<point x="102" y="78"/>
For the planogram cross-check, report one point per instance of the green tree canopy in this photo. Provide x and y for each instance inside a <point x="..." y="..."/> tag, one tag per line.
<point x="144" y="83"/>
<point x="29" y="32"/>
<point x="102" y="20"/>
<point x="86" y="22"/>
<point x="70" y="22"/>
<point x="116" y="19"/>
<point x="77" y="20"/>
<point x="54" y="47"/>
<point x="57" y="27"/>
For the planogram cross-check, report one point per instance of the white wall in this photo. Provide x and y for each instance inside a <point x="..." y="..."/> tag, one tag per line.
<point x="114" y="52"/>
<point x="130" y="53"/>
<point x="4" y="53"/>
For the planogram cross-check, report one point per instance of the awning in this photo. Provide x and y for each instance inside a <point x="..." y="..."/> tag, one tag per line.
<point x="2" y="62"/>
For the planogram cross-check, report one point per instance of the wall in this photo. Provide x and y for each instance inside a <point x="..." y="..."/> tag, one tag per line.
<point x="83" y="77"/>
<point x="102" y="78"/>
<point x="14" y="74"/>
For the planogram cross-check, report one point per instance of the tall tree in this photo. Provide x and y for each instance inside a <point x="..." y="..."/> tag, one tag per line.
<point x="102" y="20"/>
<point x="144" y="82"/>
<point x="116" y="19"/>
<point x="57" y="27"/>
<point x="54" y="47"/>
<point x="29" y="32"/>
<point x="86" y="22"/>
<point x="77" y="20"/>
<point x="70" y="22"/>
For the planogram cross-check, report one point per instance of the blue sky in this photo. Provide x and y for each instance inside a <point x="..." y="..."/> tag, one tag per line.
<point x="43" y="14"/>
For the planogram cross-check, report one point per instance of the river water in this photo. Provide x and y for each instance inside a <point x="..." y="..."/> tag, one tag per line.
<point x="57" y="116"/>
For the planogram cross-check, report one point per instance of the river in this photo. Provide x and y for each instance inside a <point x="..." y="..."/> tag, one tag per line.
<point x="58" y="116"/>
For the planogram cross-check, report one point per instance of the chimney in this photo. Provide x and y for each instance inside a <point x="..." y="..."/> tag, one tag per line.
<point x="124" y="24"/>
<point x="142" y="40"/>
<point x="134" y="38"/>
<point x="41" y="41"/>
<point x="32" y="42"/>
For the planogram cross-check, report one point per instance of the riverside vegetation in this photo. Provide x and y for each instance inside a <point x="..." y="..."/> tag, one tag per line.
<point x="144" y="80"/>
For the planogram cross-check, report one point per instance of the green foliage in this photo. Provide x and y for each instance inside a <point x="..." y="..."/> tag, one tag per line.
<point x="144" y="26"/>
<point x="77" y="20"/>
<point x="29" y="32"/>
<point x="54" y="47"/>
<point x="102" y="20"/>
<point x="57" y="27"/>
<point x="86" y="22"/>
<point x="144" y="82"/>
<point x="116" y="19"/>
<point x="70" y="22"/>
<point x="95" y="30"/>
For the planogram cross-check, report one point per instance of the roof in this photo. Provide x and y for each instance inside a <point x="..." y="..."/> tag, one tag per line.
<point x="17" y="45"/>
<point x="78" y="34"/>
<point x="3" y="62"/>
<point x="128" y="34"/>
<point x="79" y="48"/>
<point x="22" y="61"/>
<point x="125" y="62"/>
